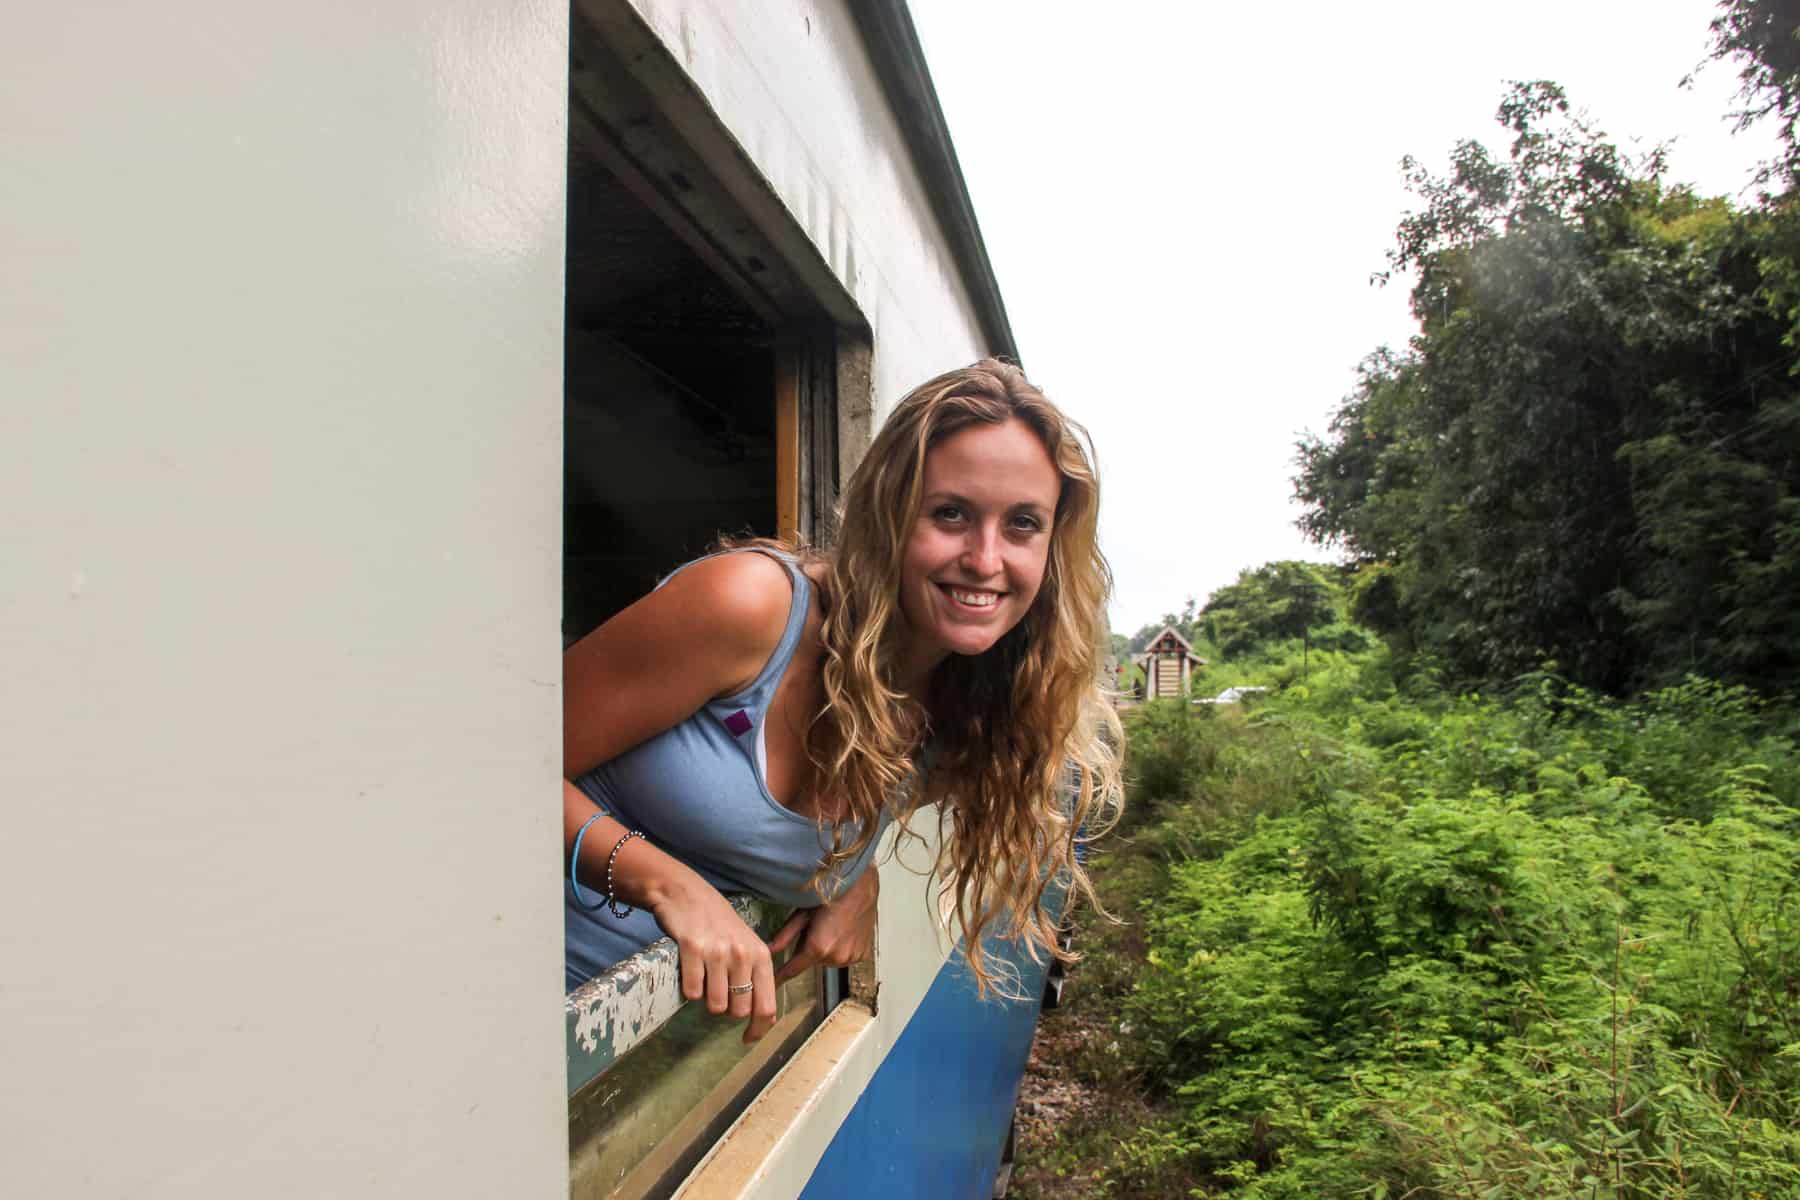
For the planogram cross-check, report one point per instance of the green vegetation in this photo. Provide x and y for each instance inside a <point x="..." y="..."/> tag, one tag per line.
<point x="1395" y="944"/>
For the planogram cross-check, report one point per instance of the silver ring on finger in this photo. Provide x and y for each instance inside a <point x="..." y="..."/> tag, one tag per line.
<point x="741" y="988"/>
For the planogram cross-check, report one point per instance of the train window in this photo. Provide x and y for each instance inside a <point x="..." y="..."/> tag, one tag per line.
<point x="697" y="401"/>
<point x="669" y="395"/>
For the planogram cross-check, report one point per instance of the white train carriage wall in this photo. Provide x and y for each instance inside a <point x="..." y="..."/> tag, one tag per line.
<point x="355" y="360"/>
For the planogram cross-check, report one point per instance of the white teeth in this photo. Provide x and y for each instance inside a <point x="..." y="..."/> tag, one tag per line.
<point x="974" y="599"/>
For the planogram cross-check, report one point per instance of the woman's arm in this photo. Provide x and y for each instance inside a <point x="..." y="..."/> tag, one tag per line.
<point x="705" y="633"/>
<point x="716" y="948"/>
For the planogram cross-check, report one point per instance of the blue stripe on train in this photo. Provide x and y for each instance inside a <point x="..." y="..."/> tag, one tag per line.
<point x="933" y="1120"/>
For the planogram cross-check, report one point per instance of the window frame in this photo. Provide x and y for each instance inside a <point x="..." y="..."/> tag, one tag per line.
<point x="636" y="108"/>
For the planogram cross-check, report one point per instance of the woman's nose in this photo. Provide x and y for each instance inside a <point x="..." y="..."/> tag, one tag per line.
<point x="981" y="552"/>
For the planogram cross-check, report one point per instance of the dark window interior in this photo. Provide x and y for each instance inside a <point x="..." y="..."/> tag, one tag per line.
<point x="668" y="400"/>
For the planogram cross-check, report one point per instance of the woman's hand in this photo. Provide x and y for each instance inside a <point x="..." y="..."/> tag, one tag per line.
<point x="719" y="955"/>
<point x="836" y="934"/>
<point x="717" y="950"/>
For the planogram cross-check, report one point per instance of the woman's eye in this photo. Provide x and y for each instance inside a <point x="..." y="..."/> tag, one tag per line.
<point x="947" y="512"/>
<point x="1026" y="523"/>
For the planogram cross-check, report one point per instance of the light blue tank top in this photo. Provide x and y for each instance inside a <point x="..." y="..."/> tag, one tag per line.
<point x="698" y="791"/>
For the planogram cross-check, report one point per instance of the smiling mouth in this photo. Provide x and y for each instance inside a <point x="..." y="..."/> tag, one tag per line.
<point x="971" y="599"/>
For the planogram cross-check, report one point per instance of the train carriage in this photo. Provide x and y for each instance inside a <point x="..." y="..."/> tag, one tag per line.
<point x="356" y="359"/>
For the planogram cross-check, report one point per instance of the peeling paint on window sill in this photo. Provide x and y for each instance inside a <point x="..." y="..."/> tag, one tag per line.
<point x="622" y="1007"/>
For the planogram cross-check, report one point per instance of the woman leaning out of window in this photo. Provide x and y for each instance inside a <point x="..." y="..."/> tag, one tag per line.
<point x="753" y="723"/>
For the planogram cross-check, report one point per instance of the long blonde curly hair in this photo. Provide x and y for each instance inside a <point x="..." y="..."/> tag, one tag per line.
<point x="1024" y="745"/>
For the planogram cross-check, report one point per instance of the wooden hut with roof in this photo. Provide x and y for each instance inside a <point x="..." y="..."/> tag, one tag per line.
<point x="1167" y="662"/>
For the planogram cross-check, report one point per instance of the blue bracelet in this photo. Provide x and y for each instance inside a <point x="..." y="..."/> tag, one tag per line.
<point x="575" y="860"/>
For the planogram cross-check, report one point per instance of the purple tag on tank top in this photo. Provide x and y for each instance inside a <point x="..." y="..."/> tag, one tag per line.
<point x="738" y="723"/>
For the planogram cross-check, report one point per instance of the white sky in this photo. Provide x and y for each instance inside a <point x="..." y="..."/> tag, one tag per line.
<point x="1184" y="203"/>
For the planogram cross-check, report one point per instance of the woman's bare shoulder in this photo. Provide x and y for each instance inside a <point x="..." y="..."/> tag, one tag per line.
<point x="741" y="599"/>
<point x="706" y="632"/>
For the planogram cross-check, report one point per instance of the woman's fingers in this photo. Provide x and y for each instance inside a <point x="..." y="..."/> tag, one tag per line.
<point x="797" y="933"/>
<point x="743" y="991"/>
<point x="693" y="970"/>
<point x="830" y="939"/>
<point x="740" y="982"/>
<point x="805" y="958"/>
<point x="795" y="926"/>
<point x="718" y="981"/>
<point x="723" y="961"/>
<point x="762" y="997"/>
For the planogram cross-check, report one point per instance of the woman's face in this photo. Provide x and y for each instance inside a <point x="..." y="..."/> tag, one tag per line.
<point x="978" y="548"/>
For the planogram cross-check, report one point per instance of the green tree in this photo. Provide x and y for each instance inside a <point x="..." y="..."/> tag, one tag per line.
<point x="1590" y="450"/>
<point x="1760" y="36"/>
<point x="1273" y="602"/>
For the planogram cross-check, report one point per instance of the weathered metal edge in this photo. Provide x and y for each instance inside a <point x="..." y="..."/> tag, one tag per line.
<point x="622" y="1007"/>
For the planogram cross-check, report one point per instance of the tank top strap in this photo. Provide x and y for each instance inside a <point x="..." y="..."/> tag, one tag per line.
<point x="762" y="688"/>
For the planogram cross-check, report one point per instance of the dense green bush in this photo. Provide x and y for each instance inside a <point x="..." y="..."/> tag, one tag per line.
<point x="1539" y="945"/>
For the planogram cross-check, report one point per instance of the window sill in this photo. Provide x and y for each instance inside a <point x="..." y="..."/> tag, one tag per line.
<point x="623" y="1007"/>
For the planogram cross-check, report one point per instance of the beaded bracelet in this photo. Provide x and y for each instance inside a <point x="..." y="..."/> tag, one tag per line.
<point x="611" y="904"/>
<point x="606" y="898"/>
